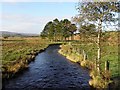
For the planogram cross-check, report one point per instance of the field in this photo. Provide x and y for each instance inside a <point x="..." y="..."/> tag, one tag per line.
<point x="85" y="53"/>
<point x="109" y="51"/>
<point x="18" y="52"/>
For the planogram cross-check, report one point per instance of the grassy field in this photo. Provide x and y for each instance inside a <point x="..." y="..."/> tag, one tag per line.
<point x="18" y="52"/>
<point x="109" y="53"/>
<point x="75" y="50"/>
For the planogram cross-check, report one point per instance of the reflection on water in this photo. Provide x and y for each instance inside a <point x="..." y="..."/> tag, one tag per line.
<point x="51" y="70"/>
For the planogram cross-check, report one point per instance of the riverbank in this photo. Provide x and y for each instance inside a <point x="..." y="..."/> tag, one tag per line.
<point x="17" y="53"/>
<point x="98" y="80"/>
<point x="50" y="71"/>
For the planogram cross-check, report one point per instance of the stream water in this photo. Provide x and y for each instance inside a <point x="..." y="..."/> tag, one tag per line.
<point x="50" y="70"/>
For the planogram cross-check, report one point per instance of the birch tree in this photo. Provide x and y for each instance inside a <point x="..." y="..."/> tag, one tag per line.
<point x="99" y="13"/>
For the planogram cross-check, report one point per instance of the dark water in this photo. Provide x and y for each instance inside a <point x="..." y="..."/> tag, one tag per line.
<point x="51" y="70"/>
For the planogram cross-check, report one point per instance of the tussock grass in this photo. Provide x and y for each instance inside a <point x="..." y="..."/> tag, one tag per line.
<point x="18" y="52"/>
<point x="74" y="52"/>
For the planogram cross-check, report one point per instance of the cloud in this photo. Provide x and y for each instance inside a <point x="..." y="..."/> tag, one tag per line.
<point x="25" y="23"/>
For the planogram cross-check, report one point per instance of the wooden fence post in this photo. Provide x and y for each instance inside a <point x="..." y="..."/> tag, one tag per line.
<point x="79" y="51"/>
<point x="95" y="63"/>
<point x="107" y="73"/>
<point x="71" y="50"/>
<point x="106" y="65"/>
<point x="83" y="52"/>
<point x="75" y="49"/>
<point x="84" y="55"/>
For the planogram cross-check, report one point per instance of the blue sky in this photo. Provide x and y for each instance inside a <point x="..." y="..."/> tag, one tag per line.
<point x="31" y="17"/>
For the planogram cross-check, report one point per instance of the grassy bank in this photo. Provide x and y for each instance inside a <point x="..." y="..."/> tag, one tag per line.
<point x="74" y="52"/>
<point x="17" y="53"/>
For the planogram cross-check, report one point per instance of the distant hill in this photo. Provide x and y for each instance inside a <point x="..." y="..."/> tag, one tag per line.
<point x="14" y="34"/>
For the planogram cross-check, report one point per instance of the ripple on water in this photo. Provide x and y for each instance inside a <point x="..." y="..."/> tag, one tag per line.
<point x="51" y="70"/>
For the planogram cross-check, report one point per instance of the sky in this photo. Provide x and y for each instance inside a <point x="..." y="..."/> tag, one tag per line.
<point x="31" y="17"/>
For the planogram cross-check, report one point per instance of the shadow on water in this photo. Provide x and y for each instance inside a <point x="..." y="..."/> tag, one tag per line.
<point x="50" y="70"/>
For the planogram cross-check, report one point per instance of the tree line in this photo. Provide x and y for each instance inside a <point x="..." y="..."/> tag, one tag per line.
<point x="59" y="30"/>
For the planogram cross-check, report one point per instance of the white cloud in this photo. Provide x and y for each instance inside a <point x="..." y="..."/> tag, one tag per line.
<point x="25" y="23"/>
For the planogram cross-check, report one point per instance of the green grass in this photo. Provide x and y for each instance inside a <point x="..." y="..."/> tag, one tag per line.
<point x="109" y="52"/>
<point x="74" y="52"/>
<point x="12" y="50"/>
<point x="18" y="52"/>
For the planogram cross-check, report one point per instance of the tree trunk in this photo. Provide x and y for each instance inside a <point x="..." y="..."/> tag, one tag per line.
<point x="65" y="38"/>
<point x="72" y="36"/>
<point x="99" y="50"/>
<point x="98" y="45"/>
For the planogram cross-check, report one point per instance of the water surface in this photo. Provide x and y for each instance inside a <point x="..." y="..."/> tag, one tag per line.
<point x="51" y="70"/>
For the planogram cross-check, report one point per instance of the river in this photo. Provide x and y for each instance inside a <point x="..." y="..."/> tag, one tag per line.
<point x="50" y="70"/>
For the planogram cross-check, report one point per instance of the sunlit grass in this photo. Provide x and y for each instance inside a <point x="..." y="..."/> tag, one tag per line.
<point x="74" y="52"/>
<point x="18" y="52"/>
